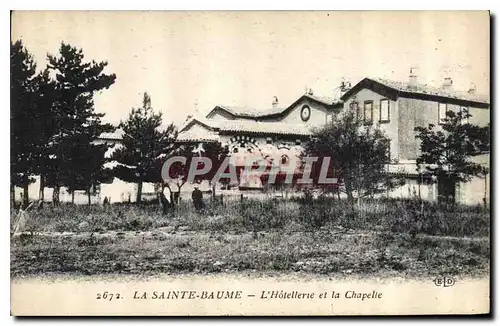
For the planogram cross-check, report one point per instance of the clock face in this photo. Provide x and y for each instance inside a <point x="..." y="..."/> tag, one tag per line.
<point x="305" y="113"/>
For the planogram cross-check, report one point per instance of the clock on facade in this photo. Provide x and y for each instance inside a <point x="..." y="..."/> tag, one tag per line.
<point x="305" y="113"/>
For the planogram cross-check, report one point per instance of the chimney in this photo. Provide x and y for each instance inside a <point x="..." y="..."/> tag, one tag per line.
<point x="275" y="101"/>
<point x="412" y="82"/>
<point x="345" y="86"/>
<point x="447" y="83"/>
<point x="472" y="89"/>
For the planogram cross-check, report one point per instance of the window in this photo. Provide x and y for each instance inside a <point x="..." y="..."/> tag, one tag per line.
<point x="284" y="159"/>
<point x="305" y="113"/>
<point x="329" y="118"/>
<point x="356" y="109"/>
<point x="465" y="112"/>
<point x="368" y="116"/>
<point x="384" y="110"/>
<point x="442" y="108"/>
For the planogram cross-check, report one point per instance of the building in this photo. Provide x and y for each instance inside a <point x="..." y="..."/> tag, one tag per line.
<point x="393" y="106"/>
<point x="278" y="133"/>
<point x="398" y="107"/>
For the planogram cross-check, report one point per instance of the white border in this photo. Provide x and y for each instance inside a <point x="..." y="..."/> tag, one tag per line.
<point x="193" y="5"/>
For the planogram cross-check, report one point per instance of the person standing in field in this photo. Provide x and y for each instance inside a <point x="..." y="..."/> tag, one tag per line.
<point x="197" y="197"/>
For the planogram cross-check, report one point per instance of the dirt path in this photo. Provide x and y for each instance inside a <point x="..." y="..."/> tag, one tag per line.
<point x="182" y="231"/>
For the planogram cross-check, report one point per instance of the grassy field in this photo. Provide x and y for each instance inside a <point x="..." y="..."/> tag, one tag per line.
<point x="323" y="252"/>
<point x="400" y="216"/>
<point x="385" y="237"/>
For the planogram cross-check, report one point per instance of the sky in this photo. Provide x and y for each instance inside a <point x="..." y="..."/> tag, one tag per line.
<point x="191" y="61"/>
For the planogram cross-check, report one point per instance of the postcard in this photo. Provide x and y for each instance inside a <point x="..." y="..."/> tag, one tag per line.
<point x="250" y="163"/>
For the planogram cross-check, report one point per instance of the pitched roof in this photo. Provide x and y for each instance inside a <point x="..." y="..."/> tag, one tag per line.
<point x="277" y="128"/>
<point x="328" y="100"/>
<point x="420" y="91"/>
<point x="117" y="135"/>
<point x="193" y="135"/>
<point x="248" y="112"/>
<point x="248" y="126"/>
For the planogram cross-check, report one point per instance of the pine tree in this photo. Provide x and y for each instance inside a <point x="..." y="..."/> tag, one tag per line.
<point x="22" y="112"/>
<point x="89" y="159"/>
<point x="78" y="125"/>
<point x="145" y="146"/>
<point x="44" y="118"/>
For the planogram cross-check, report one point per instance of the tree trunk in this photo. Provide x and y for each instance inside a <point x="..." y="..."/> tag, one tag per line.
<point x="88" y="195"/>
<point x="139" y="192"/>
<point x="485" y="190"/>
<point x="41" y="192"/>
<point x="359" y="187"/>
<point x="72" y="197"/>
<point x="348" y="188"/>
<point x="55" y="196"/>
<point x="12" y="195"/>
<point x="25" y="190"/>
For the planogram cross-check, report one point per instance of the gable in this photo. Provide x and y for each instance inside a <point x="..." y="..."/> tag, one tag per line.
<point x="197" y="127"/>
<point x="370" y="85"/>
<point x="394" y="90"/>
<point x="317" y="116"/>
<point x="197" y="131"/>
<point x="219" y="114"/>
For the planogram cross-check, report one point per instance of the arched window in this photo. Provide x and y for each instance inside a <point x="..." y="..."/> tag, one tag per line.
<point x="284" y="159"/>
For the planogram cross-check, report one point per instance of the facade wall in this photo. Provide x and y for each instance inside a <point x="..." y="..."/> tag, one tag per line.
<point x="420" y="113"/>
<point x="412" y="189"/>
<point x="405" y="115"/>
<point x="413" y="113"/>
<point x="117" y="191"/>
<point x="390" y="128"/>
<point x="317" y="118"/>
<point x="480" y="117"/>
<point x="474" y="191"/>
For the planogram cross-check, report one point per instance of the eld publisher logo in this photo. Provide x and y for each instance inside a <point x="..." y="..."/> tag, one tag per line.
<point x="444" y="281"/>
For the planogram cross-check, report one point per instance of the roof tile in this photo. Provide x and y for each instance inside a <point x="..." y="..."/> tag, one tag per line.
<point x="432" y="90"/>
